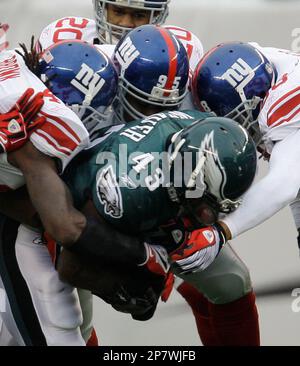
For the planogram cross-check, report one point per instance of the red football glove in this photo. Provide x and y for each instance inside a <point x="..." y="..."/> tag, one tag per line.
<point x="199" y="250"/>
<point x="169" y="284"/>
<point x="16" y="125"/>
<point x="156" y="260"/>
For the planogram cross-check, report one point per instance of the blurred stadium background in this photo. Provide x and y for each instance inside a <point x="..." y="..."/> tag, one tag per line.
<point x="270" y="251"/>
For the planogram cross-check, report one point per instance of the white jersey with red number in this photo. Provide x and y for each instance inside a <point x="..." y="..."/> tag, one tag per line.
<point x="61" y="137"/>
<point x="192" y="44"/>
<point x="280" y="113"/>
<point x="70" y="28"/>
<point x="194" y="49"/>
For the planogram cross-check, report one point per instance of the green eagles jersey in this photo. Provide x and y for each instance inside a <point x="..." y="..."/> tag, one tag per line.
<point x="123" y="173"/>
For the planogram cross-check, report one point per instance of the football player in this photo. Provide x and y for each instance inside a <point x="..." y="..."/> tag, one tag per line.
<point x="219" y="307"/>
<point x="115" y="20"/>
<point x="60" y="137"/>
<point x="124" y="17"/>
<point x="67" y="87"/>
<point x="112" y="20"/>
<point x="259" y="88"/>
<point x="149" y="95"/>
<point x="139" y="96"/>
<point x="243" y="294"/>
<point x="128" y="176"/>
<point x="53" y="141"/>
<point x="156" y="85"/>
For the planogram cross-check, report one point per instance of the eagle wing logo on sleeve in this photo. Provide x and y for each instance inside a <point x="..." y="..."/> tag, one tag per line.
<point x="109" y="193"/>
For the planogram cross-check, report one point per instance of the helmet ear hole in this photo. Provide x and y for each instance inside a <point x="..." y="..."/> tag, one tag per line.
<point x="223" y="129"/>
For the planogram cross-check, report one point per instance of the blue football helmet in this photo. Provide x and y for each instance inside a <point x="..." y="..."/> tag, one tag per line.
<point x="83" y="77"/>
<point x="153" y="70"/>
<point x="231" y="80"/>
<point x="111" y="33"/>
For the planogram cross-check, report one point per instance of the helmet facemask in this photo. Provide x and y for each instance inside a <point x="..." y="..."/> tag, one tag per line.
<point x="206" y="210"/>
<point x="159" y="98"/>
<point x="198" y="185"/>
<point x="199" y="199"/>
<point x="92" y="117"/>
<point x="232" y="80"/>
<point x="111" y="33"/>
<point x="246" y="114"/>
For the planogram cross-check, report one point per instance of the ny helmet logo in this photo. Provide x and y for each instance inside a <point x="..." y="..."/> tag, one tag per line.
<point x="88" y="82"/>
<point x="239" y="75"/>
<point x="126" y="54"/>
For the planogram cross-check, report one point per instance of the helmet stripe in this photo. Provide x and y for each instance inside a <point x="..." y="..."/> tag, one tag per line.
<point x="173" y="55"/>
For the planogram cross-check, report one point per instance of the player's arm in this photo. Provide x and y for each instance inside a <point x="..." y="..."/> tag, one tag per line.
<point x="278" y="189"/>
<point x="49" y="195"/>
<point x="87" y="235"/>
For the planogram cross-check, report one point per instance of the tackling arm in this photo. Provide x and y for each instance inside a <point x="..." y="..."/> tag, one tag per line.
<point x="49" y="194"/>
<point x="276" y="190"/>
<point x="52" y="200"/>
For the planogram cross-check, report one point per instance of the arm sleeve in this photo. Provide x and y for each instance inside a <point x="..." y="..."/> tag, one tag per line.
<point x="276" y="190"/>
<point x="63" y="135"/>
